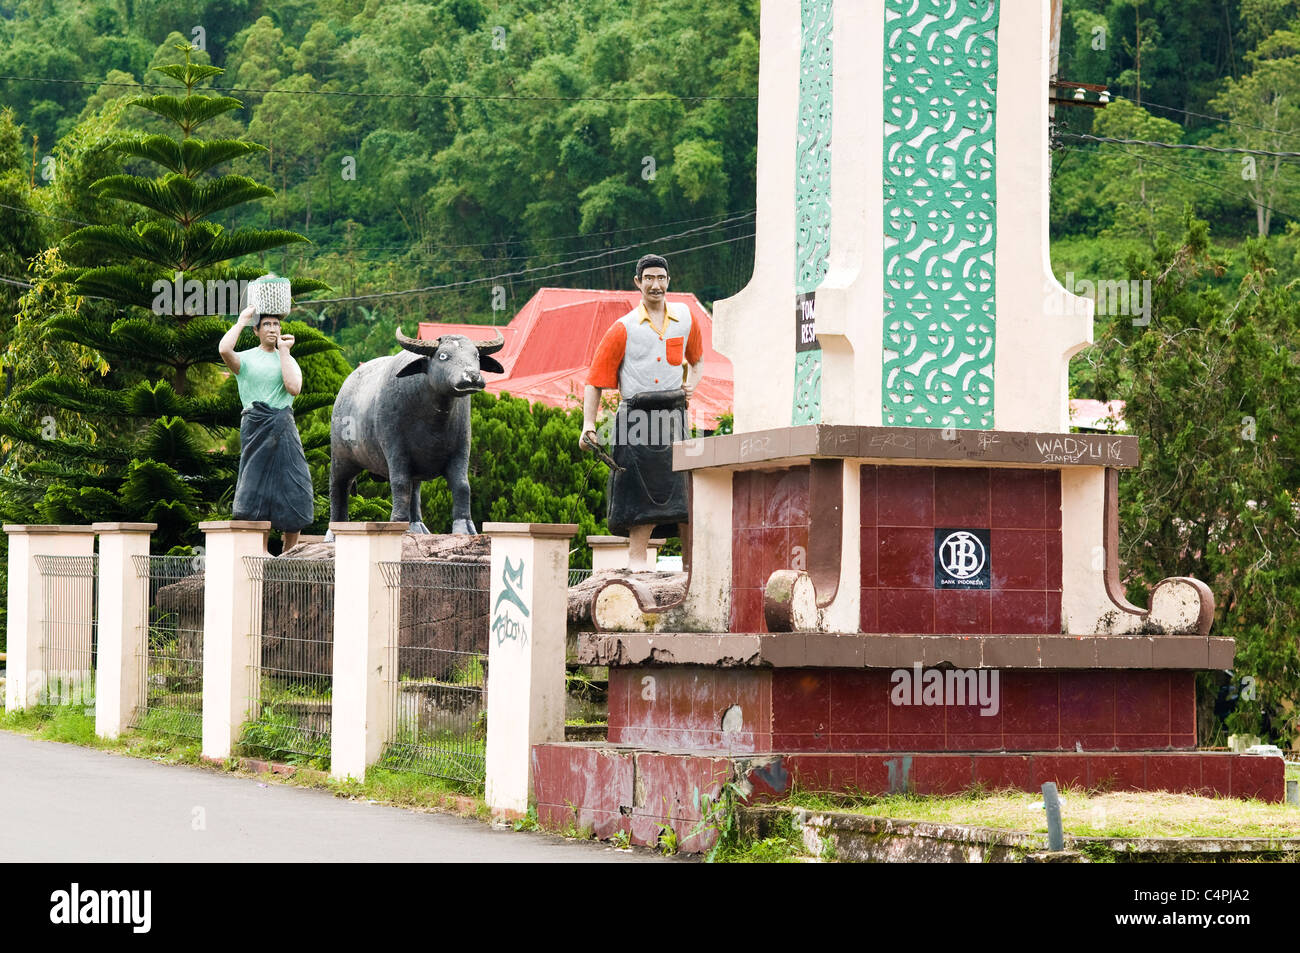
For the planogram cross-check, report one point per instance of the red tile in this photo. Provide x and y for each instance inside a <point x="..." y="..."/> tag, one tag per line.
<point x="859" y="701"/>
<point x="1013" y="772"/>
<point x="975" y="718"/>
<point x="1029" y="741"/>
<point x="678" y="685"/>
<point x="1067" y="770"/>
<point x="619" y="686"/>
<point x="1116" y="772"/>
<point x="798" y="548"/>
<point x="1182" y="702"/>
<point x="909" y="718"/>
<point x="790" y="742"/>
<point x="1018" y="558"/>
<point x="1087" y="702"/>
<point x="1258" y="777"/>
<point x="869" y="611"/>
<point x="906" y="558"/>
<point x="774" y="552"/>
<point x="1019" y="612"/>
<point x="965" y="613"/>
<point x="906" y="610"/>
<point x="1142" y="741"/>
<point x="1030" y="702"/>
<point x="1053" y="560"/>
<point x="823" y="772"/>
<point x="747" y="610"/>
<point x="745" y="555"/>
<point x="905" y="496"/>
<point x="942" y="774"/>
<point x="1216" y="773"/>
<point x="788" y="503"/>
<point x="873" y="773"/>
<point x="1053" y="625"/>
<point x="1142" y="702"/>
<point x="775" y="500"/>
<point x="639" y="707"/>
<point x="801" y="701"/>
<point x="1052" y="498"/>
<point x="1094" y="742"/>
<point x="867" y="495"/>
<point x="859" y="742"/>
<point x="1018" y="499"/>
<point x="867" y="548"/>
<point x="740" y="488"/>
<point x="1183" y="741"/>
<point x="917" y="742"/>
<point x="972" y="742"/>
<point x="1180" y="774"/>
<point x="961" y="497"/>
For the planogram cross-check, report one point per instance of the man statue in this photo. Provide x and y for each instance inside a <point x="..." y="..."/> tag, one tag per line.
<point x="274" y="482"/>
<point x="652" y="355"/>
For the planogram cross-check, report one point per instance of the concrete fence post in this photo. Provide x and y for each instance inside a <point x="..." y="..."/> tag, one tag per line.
<point x="613" y="552"/>
<point x="123" y="639"/>
<point x="529" y="609"/>
<point x="363" y="627"/>
<point x="26" y="667"/>
<point x="227" y="628"/>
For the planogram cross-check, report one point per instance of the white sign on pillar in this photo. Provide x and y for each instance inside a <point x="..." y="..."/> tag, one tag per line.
<point x="528" y="607"/>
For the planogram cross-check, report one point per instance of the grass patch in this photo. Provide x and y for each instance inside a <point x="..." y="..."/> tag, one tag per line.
<point x="71" y="725"/>
<point x="1087" y="814"/>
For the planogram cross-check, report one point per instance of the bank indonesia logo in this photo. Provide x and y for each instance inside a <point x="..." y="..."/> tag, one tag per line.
<point x="961" y="559"/>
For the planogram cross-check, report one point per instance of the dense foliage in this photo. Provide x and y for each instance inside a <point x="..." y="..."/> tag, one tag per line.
<point x="482" y="149"/>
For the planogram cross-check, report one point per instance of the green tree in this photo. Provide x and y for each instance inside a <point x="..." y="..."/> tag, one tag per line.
<point x="1264" y="106"/>
<point x="158" y="446"/>
<point x="1138" y="187"/>
<point x="1211" y="388"/>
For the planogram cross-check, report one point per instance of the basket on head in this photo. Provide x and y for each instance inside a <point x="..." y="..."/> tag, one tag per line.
<point x="269" y="294"/>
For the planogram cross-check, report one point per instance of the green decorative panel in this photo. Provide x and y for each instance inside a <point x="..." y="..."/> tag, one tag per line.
<point x="812" y="194"/>
<point x="940" y="212"/>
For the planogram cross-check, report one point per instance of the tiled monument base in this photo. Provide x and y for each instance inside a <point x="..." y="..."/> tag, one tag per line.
<point x="609" y="788"/>
<point x="835" y="709"/>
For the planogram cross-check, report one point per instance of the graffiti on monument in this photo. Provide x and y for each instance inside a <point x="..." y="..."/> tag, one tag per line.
<point x="510" y="613"/>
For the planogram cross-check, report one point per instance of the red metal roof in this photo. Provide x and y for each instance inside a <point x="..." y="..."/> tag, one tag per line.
<point x="551" y="341"/>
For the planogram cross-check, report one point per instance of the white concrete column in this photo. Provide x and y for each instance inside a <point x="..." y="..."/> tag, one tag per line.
<point x="227" y="628"/>
<point x="363" y="627"/>
<point x="123" y="640"/>
<point x="708" y="600"/>
<point x="529" y="603"/>
<point x="26" y="676"/>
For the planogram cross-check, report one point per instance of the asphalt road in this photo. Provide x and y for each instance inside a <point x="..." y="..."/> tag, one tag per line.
<point x="64" y="803"/>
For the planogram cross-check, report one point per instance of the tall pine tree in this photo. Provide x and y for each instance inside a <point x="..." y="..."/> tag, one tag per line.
<point x="160" y="447"/>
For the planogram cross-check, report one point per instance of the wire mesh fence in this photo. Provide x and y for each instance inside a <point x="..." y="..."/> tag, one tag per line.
<point x="69" y="631"/>
<point x="578" y="576"/>
<point x="171" y="663"/>
<point x="438" y="668"/>
<point x="291" y="670"/>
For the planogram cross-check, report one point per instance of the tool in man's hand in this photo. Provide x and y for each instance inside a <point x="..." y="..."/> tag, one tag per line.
<point x="604" y="457"/>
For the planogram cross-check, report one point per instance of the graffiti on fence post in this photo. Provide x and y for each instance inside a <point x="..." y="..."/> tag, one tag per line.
<point x="504" y="623"/>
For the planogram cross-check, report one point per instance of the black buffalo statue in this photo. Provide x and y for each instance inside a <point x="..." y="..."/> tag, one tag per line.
<point x="405" y="419"/>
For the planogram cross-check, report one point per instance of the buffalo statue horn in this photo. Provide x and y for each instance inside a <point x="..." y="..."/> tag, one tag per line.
<point x="431" y="347"/>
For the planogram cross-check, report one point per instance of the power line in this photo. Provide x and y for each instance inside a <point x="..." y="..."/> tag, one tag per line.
<point x="1179" y="145"/>
<point x="1196" y="181"/>
<point x="32" y="211"/>
<point x="14" y="281"/>
<point x="407" y="95"/>
<point x="518" y="241"/>
<point x="1223" y="119"/>
<point x="479" y="281"/>
<point x="488" y="259"/>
